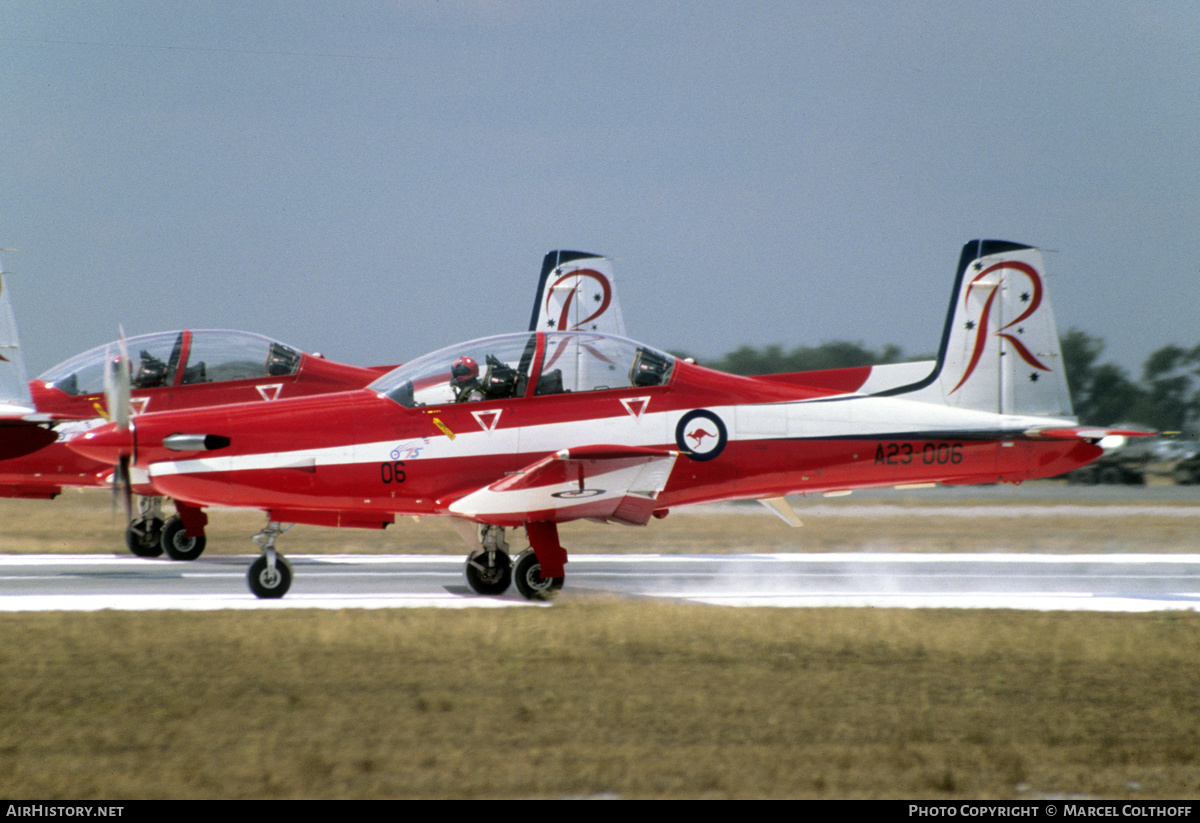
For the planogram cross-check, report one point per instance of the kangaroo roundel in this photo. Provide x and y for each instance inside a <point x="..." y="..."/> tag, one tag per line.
<point x="701" y="435"/>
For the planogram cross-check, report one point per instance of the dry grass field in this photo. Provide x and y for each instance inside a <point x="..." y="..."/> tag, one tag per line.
<point x="598" y="696"/>
<point x="85" y="522"/>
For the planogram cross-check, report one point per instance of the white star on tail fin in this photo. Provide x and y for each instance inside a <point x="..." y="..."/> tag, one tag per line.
<point x="576" y="293"/>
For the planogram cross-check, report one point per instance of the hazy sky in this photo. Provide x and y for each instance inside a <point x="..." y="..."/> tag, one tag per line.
<point x="375" y="180"/>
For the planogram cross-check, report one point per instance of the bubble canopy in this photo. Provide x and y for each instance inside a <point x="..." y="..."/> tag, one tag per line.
<point x="178" y="358"/>
<point x="529" y="364"/>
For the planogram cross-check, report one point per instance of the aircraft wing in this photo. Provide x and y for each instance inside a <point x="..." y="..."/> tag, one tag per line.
<point x="611" y="483"/>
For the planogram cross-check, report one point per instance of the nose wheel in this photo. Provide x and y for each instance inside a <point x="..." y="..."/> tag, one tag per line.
<point x="270" y="576"/>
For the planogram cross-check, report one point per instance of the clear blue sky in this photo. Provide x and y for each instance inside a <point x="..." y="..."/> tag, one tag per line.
<point x="374" y="180"/>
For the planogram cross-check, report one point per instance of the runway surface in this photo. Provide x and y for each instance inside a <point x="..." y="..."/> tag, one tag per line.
<point x="1097" y="582"/>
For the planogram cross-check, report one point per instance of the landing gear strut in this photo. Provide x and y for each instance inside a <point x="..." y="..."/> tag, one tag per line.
<point x="539" y="573"/>
<point x="270" y="576"/>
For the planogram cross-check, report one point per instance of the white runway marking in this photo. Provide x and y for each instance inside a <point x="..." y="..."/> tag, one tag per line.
<point x="1079" y="582"/>
<point x="215" y="602"/>
<point x="1035" y="602"/>
<point x="1022" y="512"/>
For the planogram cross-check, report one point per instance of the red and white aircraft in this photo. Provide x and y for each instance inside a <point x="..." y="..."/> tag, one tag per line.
<point x="171" y="370"/>
<point x="560" y="426"/>
<point x="190" y="369"/>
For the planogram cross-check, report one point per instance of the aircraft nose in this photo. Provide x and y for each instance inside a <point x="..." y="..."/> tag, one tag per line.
<point x="107" y="444"/>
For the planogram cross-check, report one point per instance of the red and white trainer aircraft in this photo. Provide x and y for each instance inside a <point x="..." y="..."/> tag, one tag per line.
<point x="173" y="370"/>
<point x="542" y="427"/>
<point x="190" y="369"/>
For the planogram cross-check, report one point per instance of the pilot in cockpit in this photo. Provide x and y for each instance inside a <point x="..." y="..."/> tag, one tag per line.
<point x="498" y="382"/>
<point x="151" y="372"/>
<point x="464" y="380"/>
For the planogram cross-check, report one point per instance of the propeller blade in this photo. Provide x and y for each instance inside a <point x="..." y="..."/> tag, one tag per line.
<point x="123" y="487"/>
<point x="117" y="396"/>
<point x="117" y="388"/>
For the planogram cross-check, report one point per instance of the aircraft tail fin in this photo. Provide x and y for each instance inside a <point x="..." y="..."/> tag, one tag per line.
<point x="1000" y="349"/>
<point x="14" y="384"/>
<point x="576" y="293"/>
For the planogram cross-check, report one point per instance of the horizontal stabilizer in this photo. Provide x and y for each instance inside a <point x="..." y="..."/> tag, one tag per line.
<point x="1086" y="433"/>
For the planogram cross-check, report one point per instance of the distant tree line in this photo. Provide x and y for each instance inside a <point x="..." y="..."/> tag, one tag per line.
<point x="1165" y="397"/>
<point x="748" y="360"/>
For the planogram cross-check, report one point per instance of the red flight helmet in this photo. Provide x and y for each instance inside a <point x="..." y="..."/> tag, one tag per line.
<point x="464" y="369"/>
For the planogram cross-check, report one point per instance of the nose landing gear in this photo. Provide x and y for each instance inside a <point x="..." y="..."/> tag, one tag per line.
<point x="270" y="576"/>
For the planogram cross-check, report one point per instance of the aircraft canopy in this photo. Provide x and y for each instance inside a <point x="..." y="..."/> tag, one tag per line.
<point x="556" y="362"/>
<point x="178" y="358"/>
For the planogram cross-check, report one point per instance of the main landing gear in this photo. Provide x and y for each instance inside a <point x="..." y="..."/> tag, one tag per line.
<point x="176" y="542"/>
<point x="143" y="535"/>
<point x="529" y="580"/>
<point x="149" y="534"/>
<point x="490" y="569"/>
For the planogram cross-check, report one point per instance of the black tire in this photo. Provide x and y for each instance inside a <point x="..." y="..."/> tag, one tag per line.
<point x="487" y="580"/>
<point x="265" y="585"/>
<point x="178" y="545"/>
<point x="528" y="576"/>
<point x="144" y="537"/>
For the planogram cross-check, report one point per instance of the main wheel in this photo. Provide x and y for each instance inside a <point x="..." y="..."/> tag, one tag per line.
<point x="177" y="544"/>
<point x="144" y="537"/>
<point x="267" y="583"/>
<point x="529" y="580"/>
<point x="489" y="579"/>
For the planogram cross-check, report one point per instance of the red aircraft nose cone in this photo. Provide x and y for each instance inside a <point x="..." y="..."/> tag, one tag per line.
<point x="108" y="443"/>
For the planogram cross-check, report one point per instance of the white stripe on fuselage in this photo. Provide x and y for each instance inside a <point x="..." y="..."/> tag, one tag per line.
<point x="849" y="416"/>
